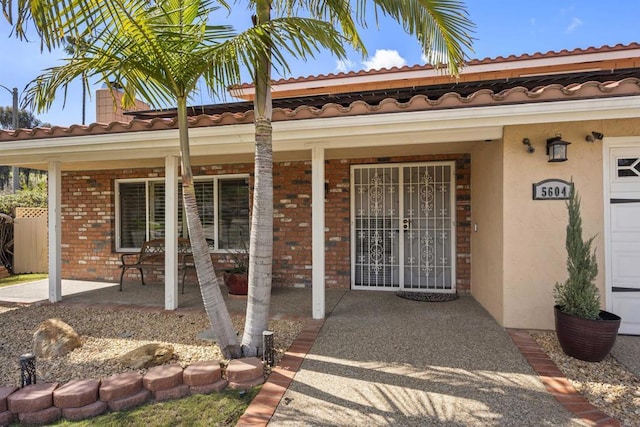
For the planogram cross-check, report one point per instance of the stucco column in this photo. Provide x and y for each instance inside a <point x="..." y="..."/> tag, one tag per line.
<point x="55" y="236"/>
<point x="171" y="233"/>
<point x="318" y="240"/>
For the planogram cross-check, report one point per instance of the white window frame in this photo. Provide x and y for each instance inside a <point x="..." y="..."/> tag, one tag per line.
<point x="215" y="179"/>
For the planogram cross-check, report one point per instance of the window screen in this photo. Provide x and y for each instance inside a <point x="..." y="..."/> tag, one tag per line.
<point x="234" y="213"/>
<point x="230" y="226"/>
<point x="133" y="214"/>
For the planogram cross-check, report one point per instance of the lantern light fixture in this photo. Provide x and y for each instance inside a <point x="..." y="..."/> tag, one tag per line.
<point x="557" y="149"/>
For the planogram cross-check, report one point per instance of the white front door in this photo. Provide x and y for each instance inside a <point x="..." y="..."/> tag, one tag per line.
<point x="624" y="237"/>
<point x="403" y="229"/>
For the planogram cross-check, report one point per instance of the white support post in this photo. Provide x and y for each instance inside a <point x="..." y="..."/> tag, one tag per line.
<point x="171" y="233"/>
<point x="54" y="185"/>
<point x="318" y="237"/>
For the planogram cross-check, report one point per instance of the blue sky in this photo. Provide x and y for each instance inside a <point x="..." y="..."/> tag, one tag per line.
<point x="503" y="28"/>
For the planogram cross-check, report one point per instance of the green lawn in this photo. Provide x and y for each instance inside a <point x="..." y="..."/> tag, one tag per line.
<point x="21" y="278"/>
<point x="216" y="409"/>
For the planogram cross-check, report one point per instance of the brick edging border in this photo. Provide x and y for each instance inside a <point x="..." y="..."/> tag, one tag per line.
<point x="264" y="405"/>
<point x="556" y="383"/>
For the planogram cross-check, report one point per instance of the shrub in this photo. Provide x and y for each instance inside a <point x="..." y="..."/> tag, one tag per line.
<point x="28" y="198"/>
<point x="578" y="296"/>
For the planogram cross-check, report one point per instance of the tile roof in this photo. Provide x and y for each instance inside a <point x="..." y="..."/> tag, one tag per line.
<point x="483" y="97"/>
<point x="487" y="60"/>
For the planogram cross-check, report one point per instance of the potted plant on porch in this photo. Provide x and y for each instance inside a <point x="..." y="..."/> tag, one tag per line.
<point x="236" y="278"/>
<point x="584" y="331"/>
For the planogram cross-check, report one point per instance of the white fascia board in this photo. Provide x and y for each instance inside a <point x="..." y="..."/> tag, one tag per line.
<point x="130" y="145"/>
<point x="508" y="65"/>
<point x="456" y="121"/>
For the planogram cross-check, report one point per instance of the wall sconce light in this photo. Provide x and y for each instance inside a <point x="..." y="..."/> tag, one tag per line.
<point x="557" y="149"/>
<point x="530" y="148"/>
<point x="594" y="136"/>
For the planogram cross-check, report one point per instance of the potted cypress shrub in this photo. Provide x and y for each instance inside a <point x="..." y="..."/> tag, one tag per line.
<point x="584" y="331"/>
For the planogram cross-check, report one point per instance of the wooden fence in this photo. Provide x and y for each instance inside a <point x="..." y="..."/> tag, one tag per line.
<point x="30" y="241"/>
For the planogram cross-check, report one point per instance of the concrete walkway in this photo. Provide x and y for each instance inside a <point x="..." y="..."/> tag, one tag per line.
<point x="31" y="292"/>
<point x="380" y="360"/>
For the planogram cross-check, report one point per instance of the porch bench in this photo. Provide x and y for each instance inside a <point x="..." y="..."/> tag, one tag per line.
<point x="151" y="257"/>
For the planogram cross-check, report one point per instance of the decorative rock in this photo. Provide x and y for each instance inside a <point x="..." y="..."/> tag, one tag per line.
<point x="4" y="393"/>
<point x="177" y="392"/>
<point x="243" y="370"/>
<point x="209" y="388"/>
<point x="130" y="401"/>
<point x="162" y="377"/>
<point x="76" y="393"/>
<point x="54" y="338"/>
<point x="76" y="414"/>
<point x="148" y="355"/>
<point x="202" y="373"/>
<point x="6" y="418"/>
<point x="44" y="416"/>
<point x="32" y="398"/>
<point x="119" y="386"/>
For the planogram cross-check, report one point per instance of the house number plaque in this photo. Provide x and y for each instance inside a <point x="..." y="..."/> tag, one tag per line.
<point x="552" y="189"/>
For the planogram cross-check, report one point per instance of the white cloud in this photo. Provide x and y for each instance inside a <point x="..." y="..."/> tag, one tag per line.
<point x="575" y="23"/>
<point x="384" y="58"/>
<point x="344" y="65"/>
<point x="430" y="61"/>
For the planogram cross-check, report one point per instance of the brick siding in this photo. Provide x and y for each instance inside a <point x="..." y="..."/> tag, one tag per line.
<point x="88" y="219"/>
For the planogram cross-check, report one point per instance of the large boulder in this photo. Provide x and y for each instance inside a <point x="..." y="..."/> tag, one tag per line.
<point x="54" y="338"/>
<point x="148" y="355"/>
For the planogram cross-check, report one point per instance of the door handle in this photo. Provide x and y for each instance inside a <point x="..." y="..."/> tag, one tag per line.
<point x="405" y="224"/>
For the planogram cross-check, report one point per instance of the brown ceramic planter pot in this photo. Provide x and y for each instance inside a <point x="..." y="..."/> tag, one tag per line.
<point x="586" y="339"/>
<point x="237" y="283"/>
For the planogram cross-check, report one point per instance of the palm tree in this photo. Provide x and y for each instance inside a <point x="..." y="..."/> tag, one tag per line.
<point x="443" y="30"/>
<point x="441" y="26"/>
<point x="77" y="46"/>
<point x="159" y="51"/>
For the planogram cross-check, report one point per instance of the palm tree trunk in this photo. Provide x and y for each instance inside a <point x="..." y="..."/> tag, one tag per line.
<point x="84" y="98"/>
<point x="211" y="295"/>
<point x="261" y="243"/>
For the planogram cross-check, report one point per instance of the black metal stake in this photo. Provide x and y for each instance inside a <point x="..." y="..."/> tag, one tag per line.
<point x="268" y="353"/>
<point x="27" y="369"/>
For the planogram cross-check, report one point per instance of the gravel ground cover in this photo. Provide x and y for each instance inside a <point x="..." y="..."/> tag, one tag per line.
<point x="607" y="384"/>
<point x="107" y="334"/>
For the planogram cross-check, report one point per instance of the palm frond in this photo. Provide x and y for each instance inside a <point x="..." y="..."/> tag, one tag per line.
<point x="442" y="27"/>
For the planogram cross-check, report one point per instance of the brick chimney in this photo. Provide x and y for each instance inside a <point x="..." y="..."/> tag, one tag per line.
<point x="107" y="111"/>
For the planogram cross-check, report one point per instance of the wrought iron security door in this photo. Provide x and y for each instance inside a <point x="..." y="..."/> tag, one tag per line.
<point x="403" y="227"/>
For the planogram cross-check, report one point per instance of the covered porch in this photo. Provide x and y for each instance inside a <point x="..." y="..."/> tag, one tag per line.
<point x="152" y="146"/>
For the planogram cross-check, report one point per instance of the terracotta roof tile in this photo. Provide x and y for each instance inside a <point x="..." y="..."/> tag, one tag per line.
<point x="484" y="97"/>
<point x="487" y="60"/>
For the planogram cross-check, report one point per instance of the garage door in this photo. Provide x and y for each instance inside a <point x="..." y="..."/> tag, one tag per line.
<point x="624" y="236"/>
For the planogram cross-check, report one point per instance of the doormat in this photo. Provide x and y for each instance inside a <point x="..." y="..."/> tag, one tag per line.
<point x="426" y="296"/>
